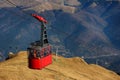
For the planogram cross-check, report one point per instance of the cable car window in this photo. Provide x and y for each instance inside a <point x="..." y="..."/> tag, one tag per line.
<point x="38" y="54"/>
<point x="45" y="52"/>
<point x="42" y="53"/>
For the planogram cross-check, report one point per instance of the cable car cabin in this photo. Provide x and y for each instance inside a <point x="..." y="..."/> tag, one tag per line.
<point x="39" y="52"/>
<point x="39" y="57"/>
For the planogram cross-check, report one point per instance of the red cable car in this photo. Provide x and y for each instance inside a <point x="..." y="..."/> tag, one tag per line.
<point x="39" y="52"/>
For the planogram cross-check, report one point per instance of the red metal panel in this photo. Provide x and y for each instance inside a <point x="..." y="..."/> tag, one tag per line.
<point x="35" y="63"/>
<point x="48" y="59"/>
<point x="39" y="63"/>
<point x="43" y="62"/>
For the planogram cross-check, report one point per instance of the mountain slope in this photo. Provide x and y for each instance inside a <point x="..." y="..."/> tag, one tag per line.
<point x="62" y="69"/>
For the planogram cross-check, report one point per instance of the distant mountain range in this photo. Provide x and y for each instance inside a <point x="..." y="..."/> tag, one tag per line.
<point x="76" y="27"/>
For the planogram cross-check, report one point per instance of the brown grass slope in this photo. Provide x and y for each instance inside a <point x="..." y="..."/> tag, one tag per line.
<point x="62" y="69"/>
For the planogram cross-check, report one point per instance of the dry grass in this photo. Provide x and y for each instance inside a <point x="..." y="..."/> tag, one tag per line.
<point x="62" y="69"/>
